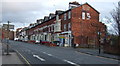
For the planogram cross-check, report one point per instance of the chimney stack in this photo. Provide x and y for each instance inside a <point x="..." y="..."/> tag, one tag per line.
<point x="73" y="4"/>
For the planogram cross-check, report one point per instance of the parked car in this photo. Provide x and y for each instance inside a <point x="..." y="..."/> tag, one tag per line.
<point x="31" y="41"/>
<point x="16" y="39"/>
<point x="56" y="42"/>
<point x="44" y="42"/>
<point x="52" y="44"/>
<point x="37" y="42"/>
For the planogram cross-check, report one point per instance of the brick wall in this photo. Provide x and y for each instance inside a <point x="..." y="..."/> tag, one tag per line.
<point x="82" y="28"/>
<point x="4" y="34"/>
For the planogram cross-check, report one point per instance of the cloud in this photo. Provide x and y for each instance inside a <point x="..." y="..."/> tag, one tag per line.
<point x="28" y="11"/>
<point x="59" y="0"/>
<point x="0" y="10"/>
<point x="21" y="6"/>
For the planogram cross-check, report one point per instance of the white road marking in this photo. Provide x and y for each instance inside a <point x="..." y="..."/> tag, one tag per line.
<point x="39" y="57"/>
<point x="71" y="63"/>
<point x="49" y="54"/>
<point x="44" y="52"/>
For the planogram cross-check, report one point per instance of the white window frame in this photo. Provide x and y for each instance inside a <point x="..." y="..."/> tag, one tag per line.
<point x="69" y="14"/>
<point x="88" y="16"/>
<point x="64" y="27"/>
<point x="49" y="29"/>
<point x="57" y="17"/>
<point x="69" y="26"/>
<point x="50" y="17"/>
<point x="83" y="15"/>
<point x="65" y="15"/>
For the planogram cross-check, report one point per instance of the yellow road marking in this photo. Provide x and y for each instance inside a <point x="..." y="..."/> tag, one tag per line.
<point x="24" y="58"/>
<point x="84" y="53"/>
<point x="107" y="58"/>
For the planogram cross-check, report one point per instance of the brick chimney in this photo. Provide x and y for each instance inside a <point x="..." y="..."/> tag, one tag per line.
<point x="73" y="4"/>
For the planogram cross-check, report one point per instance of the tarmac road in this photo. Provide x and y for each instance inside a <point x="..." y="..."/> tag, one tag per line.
<point x="40" y="54"/>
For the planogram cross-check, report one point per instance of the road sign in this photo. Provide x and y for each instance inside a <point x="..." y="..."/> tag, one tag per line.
<point x="5" y="26"/>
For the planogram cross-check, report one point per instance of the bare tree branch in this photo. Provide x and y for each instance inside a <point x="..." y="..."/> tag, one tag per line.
<point x="116" y="17"/>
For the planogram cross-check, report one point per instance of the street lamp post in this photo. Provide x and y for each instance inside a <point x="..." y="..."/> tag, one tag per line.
<point x="99" y="41"/>
<point x="98" y="36"/>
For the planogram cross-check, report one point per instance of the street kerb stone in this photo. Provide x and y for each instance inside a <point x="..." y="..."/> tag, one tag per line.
<point x="21" y="58"/>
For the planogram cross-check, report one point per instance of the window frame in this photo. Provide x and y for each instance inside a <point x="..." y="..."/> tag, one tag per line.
<point x="65" y="16"/>
<point x="83" y="15"/>
<point x="69" y="26"/>
<point x="69" y="14"/>
<point x="88" y="16"/>
<point x="64" y="27"/>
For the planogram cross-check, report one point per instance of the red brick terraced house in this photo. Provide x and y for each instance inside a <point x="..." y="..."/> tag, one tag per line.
<point x="21" y="34"/>
<point x="78" y="25"/>
<point x="4" y="34"/>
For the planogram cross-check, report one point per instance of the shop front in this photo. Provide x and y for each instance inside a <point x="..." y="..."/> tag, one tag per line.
<point x="65" y="39"/>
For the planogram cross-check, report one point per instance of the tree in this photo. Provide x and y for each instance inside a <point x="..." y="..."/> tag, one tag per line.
<point x="115" y="37"/>
<point x="116" y="17"/>
<point x="116" y="21"/>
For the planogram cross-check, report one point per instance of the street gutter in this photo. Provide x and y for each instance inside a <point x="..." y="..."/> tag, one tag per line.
<point x="117" y="59"/>
<point x="23" y="59"/>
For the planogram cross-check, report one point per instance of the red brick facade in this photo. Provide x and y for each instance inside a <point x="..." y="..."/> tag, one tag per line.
<point x="85" y="29"/>
<point x="78" y="25"/>
<point x="4" y="34"/>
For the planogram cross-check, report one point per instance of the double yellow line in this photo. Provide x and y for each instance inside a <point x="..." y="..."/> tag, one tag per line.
<point x="24" y="58"/>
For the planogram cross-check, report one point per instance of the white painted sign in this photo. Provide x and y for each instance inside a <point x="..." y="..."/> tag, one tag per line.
<point x="5" y="26"/>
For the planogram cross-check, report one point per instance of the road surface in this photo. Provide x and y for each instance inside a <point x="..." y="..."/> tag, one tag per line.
<point x="40" y="54"/>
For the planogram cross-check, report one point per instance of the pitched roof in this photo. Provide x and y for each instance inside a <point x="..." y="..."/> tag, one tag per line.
<point x="91" y="7"/>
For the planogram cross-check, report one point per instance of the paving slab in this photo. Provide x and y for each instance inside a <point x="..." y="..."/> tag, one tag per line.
<point x="13" y="58"/>
<point x="96" y="53"/>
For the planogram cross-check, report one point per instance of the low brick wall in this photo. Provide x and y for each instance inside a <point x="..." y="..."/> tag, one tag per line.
<point x="111" y="49"/>
<point x="87" y="46"/>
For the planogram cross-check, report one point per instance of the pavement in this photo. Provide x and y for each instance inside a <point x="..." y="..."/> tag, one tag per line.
<point x="0" y="54"/>
<point x="12" y="59"/>
<point x="95" y="52"/>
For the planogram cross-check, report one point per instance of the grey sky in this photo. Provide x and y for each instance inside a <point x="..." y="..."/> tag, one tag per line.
<point x="23" y="12"/>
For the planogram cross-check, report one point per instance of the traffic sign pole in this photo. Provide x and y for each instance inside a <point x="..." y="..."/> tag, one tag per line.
<point x="8" y="39"/>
